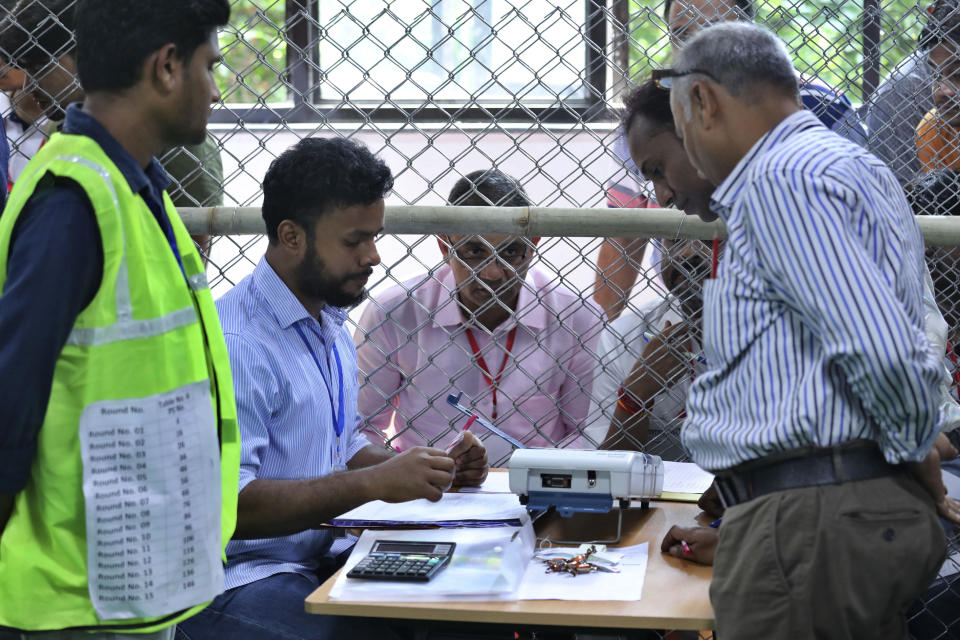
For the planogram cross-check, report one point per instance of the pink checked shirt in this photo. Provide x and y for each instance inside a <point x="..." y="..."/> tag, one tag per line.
<point x="413" y="351"/>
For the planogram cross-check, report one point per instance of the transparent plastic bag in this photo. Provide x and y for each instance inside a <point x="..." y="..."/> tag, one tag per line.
<point x="487" y="564"/>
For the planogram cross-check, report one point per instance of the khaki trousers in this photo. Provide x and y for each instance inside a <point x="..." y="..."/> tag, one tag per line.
<point x="837" y="561"/>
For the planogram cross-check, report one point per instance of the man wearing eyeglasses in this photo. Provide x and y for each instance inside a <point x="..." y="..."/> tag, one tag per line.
<point x="821" y="395"/>
<point x="511" y="338"/>
<point x="619" y="258"/>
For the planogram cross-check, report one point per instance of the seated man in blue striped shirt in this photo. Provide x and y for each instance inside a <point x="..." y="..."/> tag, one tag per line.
<point x="821" y="393"/>
<point x="303" y="459"/>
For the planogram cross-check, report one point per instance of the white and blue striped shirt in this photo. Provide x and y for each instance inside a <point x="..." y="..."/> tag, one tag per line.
<point x="813" y="328"/>
<point x="284" y="409"/>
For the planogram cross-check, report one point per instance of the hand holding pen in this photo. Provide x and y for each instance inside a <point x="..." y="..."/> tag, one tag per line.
<point x="666" y="355"/>
<point x="470" y="457"/>
<point x="696" y="544"/>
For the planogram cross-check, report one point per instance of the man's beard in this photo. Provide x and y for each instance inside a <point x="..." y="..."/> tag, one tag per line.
<point x="314" y="282"/>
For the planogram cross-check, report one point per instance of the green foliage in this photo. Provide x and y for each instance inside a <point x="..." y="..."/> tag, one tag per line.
<point x="254" y="52"/>
<point x="824" y="36"/>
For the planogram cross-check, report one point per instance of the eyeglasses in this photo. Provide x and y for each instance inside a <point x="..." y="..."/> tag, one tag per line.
<point x="663" y="78"/>
<point x="476" y="254"/>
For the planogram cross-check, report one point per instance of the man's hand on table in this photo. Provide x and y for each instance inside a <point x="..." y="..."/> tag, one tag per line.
<point x="701" y="541"/>
<point x="420" y="472"/>
<point x="470" y="458"/>
<point x="710" y="502"/>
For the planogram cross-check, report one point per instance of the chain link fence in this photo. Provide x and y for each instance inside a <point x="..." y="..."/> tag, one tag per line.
<point x="443" y="88"/>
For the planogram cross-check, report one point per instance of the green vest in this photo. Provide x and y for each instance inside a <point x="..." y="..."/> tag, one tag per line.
<point x="132" y="494"/>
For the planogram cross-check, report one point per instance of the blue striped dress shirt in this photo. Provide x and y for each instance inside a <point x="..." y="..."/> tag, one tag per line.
<point x="284" y="408"/>
<point x="813" y="328"/>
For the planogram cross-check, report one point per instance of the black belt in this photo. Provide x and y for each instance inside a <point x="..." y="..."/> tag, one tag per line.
<point x="848" y="462"/>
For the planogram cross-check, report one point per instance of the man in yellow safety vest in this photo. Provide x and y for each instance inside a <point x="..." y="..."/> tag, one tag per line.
<point x="118" y="492"/>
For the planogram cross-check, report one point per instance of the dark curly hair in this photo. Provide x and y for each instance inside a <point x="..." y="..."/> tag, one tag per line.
<point x="114" y="39"/>
<point x="648" y="101"/>
<point x="36" y="30"/>
<point x="318" y="174"/>
<point x="943" y="25"/>
<point x="488" y="187"/>
<point x="937" y="194"/>
<point x="744" y="8"/>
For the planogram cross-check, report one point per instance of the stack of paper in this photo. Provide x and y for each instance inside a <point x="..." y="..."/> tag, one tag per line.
<point x="684" y="481"/>
<point x="453" y="510"/>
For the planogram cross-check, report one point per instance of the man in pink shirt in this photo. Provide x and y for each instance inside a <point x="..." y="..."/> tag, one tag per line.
<point x="516" y="343"/>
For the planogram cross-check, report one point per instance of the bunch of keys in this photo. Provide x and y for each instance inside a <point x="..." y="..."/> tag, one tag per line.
<point x="577" y="565"/>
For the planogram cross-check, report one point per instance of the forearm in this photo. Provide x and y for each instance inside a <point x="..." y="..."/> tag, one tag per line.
<point x="630" y="430"/>
<point x="627" y="431"/>
<point x="272" y="508"/>
<point x="616" y="273"/>
<point x="369" y="456"/>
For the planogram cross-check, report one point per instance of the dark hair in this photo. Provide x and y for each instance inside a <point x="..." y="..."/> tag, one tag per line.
<point x="316" y="174"/>
<point x="937" y="194"/>
<point x="648" y="101"/>
<point x="115" y="37"/>
<point x="746" y="11"/>
<point x="943" y="25"/>
<point x="488" y="187"/>
<point x="37" y="30"/>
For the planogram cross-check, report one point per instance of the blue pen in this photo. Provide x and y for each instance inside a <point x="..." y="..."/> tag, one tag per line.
<point x="647" y="337"/>
<point x="716" y="523"/>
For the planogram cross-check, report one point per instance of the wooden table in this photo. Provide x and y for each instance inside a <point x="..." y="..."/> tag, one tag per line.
<point x="675" y="592"/>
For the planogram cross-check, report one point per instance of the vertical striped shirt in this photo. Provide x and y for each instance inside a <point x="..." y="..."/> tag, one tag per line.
<point x="284" y="408"/>
<point x="813" y="328"/>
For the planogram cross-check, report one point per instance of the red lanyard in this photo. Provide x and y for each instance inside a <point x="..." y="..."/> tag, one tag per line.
<point x="956" y="365"/>
<point x="492" y="382"/>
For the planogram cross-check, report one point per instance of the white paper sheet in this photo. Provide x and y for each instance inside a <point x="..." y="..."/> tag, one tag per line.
<point x="626" y="585"/>
<point x="685" y="477"/>
<point x="496" y="482"/>
<point x="453" y="506"/>
<point x="151" y="487"/>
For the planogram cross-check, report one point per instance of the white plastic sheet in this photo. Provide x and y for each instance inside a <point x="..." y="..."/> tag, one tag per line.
<point x="487" y="564"/>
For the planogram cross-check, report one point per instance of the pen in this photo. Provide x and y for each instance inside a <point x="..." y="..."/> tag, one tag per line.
<point x="648" y="336"/>
<point x="685" y="547"/>
<point x="716" y="523"/>
<point x="453" y="400"/>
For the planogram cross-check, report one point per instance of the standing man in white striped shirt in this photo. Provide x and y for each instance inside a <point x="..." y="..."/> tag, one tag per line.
<point x="303" y="460"/>
<point x="820" y="397"/>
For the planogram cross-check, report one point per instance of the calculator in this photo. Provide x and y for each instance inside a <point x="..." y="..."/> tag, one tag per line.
<point x="404" y="561"/>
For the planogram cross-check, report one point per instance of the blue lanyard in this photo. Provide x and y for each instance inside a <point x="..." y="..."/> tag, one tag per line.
<point x="338" y="415"/>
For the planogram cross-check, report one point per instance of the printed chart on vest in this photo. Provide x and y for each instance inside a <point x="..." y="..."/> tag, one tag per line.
<point x="151" y="482"/>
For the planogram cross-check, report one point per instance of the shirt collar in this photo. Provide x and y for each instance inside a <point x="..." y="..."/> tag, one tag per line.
<point x="79" y="122"/>
<point x="283" y="305"/>
<point x="530" y="311"/>
<point x="729" y="190"/>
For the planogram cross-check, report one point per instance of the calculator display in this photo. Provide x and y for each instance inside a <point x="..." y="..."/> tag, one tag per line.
<point x="405" y="547"/>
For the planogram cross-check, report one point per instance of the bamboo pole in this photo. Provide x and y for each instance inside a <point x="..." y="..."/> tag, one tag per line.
<point x="530" y="222"/>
